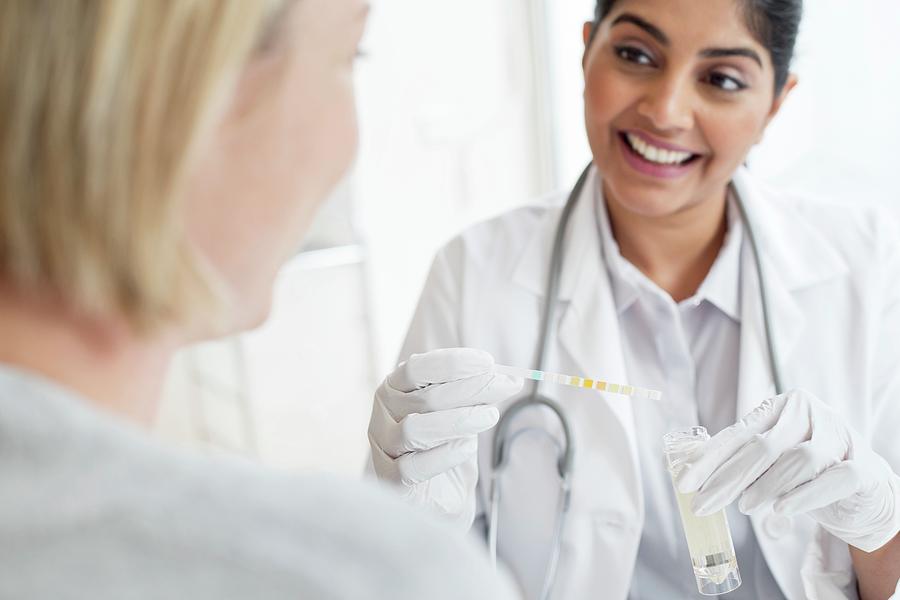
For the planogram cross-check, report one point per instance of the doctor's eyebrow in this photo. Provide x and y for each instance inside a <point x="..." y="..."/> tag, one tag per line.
<point x="663" y="39"/>
<point x="725" y="52"/>
<point x="653" y="30"/>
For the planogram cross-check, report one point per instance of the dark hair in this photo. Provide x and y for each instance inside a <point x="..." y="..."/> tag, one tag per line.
<point x="774" y="23"/>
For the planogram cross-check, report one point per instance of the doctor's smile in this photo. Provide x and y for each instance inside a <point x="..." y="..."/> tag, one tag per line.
<point x="655" y="158"/>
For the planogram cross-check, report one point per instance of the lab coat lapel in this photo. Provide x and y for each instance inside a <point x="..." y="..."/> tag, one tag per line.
<point x="607" y="500"/>
<point x="795" y="258"/>
<point x="755" y="379"/>
<point x="588" y="332"/>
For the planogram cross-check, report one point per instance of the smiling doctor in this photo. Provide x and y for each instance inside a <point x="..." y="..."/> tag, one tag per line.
<point x="660" y="286"/>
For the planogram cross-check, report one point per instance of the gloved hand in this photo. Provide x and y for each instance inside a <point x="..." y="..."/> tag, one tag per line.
<point x="795" y="450"/>
<point x="425" y="423"/>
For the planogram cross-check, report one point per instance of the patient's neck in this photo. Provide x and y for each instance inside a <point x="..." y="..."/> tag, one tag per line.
<point x="102" y="360"/>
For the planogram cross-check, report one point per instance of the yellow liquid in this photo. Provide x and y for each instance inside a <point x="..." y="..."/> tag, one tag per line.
<point x="708" y="538"/>
<point x="709" y="542"/>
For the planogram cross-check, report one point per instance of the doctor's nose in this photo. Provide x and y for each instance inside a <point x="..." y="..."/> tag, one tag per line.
<point x="668" y="105"/>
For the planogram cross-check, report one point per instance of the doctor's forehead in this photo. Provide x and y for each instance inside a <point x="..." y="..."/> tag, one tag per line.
<point x="707" y="23"/>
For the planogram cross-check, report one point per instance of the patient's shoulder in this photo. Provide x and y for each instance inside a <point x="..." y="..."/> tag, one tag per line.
<point x="113" y="513"/>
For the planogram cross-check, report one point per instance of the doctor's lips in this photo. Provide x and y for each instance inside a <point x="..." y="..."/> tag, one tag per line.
<point x="656" y="158"/>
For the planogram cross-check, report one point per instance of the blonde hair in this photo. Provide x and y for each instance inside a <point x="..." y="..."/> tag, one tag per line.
<point x="102" y="104"/>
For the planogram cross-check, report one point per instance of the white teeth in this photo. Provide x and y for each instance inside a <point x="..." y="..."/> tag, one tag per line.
<point x="654" y="154"/>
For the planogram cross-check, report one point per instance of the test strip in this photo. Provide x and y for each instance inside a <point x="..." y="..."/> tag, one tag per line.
<point x="582" y="382"/>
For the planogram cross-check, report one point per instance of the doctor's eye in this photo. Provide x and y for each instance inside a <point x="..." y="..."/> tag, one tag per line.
<point x="634" y="55"/>
<point x="726" y="83"/>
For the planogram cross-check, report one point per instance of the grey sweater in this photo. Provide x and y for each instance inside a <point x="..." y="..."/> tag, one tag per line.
<point x="91" y="507"/>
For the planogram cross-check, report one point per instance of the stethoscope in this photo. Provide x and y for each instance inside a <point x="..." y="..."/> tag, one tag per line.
<point x="565" y="447"/>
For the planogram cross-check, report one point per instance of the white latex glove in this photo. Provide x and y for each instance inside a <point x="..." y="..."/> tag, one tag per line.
<point x="425" y="423"/>
<point x="795" y="450"/>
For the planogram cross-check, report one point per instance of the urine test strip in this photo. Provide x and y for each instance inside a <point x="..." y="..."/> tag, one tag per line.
<point x="582" y="382"/>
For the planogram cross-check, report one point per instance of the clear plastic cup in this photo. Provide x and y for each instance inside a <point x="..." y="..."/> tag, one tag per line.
<point x="708" y="538"/>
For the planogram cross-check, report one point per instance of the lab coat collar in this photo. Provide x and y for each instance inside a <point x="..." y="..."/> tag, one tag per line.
<point x="795" y="255"/>
<point x="721" y="287"/>
<point x="624" y="276"/>
<point x="532" y="269"/>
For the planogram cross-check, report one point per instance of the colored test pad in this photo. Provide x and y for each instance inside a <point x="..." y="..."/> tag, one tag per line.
<point x="582" y="382"/>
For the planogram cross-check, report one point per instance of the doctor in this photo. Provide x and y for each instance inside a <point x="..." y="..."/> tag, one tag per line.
<point x="659" y="288"/>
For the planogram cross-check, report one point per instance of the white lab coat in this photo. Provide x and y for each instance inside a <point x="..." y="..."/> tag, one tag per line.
<point x="833" y="276"/>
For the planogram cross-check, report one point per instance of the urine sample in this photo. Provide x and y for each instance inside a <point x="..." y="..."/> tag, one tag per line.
<point x="708" y="538"/>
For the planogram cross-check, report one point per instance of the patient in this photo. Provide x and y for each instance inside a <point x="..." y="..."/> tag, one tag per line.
<point x="159" y="160"/>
